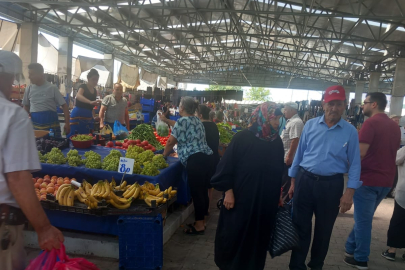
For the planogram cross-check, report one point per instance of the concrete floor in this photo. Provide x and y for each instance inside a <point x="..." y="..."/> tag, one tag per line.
<point x="184" y="252"/>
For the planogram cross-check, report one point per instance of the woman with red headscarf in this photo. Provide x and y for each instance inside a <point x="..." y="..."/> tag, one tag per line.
<point x="250" y="174"/>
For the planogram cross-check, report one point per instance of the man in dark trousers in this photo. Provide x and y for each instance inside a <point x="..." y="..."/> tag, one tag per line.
<point x="379" y="139"/>
<point x="328" y="148"/>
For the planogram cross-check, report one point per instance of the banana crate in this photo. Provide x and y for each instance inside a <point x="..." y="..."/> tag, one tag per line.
<point x="140" y="242"/>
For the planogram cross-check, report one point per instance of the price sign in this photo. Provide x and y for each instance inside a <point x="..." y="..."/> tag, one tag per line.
<point x="126" y="165"/>
<point x="233" y="126"/>
<point x="246" y="110"/>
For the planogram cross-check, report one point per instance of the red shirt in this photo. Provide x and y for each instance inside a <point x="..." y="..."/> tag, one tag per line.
<point x="384" y="137"/>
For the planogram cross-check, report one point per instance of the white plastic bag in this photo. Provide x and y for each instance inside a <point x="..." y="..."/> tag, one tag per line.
<point x="162" y="128"/>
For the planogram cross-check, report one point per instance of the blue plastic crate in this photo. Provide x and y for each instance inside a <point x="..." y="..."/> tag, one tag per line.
<point x="140" y="242"/>
<point x="146" y="117"/>
<point x="148" y="102"/>
<point x="146" y="108"/>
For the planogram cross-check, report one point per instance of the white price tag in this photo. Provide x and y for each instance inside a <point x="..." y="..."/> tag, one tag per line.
<point x="233" y="127"/>
<point x="126" y="164"/>
<point x="246" y="110"/>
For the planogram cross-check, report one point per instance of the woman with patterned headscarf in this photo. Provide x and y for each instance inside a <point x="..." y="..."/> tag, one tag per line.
<point x="250" y="174"/>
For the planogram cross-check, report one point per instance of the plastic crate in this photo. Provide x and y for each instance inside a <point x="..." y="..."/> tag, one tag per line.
<point x="148" y="102"/>
<point x="146" y="117"/>
<point x="140" y="242"/>
<point x="146" y="108"/>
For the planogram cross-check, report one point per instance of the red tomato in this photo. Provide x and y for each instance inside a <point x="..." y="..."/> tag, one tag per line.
<point x="126" y="141"/>
<point x="145" y="143"/>
<point x="98" y="144"/>
<point x="137" y="141"/>
<point x="117" y="143"/>
<point x="153" y="149"/>
<point x="125" y="145"/>
<point x="110" y="144"/>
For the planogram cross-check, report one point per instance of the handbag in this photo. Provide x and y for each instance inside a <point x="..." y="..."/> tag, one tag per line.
<point x="284" y="236"/>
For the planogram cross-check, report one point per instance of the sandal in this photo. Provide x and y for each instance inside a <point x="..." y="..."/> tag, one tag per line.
<point x="192" y="230"/>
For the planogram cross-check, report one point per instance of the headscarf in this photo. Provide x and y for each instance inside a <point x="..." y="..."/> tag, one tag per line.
<point x="259" y="122"/>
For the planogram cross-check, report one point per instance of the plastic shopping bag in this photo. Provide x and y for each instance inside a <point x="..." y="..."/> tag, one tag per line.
<point x="161" y="127"/>
<point x="284" y="236"/>
<point x="119" y="130"/>
<point x="106" y="130"/>
<point x="45" y="261"/>
<point x="67" y="263"/>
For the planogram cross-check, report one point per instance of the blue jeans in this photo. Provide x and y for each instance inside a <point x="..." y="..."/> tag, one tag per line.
<point x="366" y="200"/>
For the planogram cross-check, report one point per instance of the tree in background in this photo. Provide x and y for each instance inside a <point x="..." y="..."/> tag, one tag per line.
<point x="258" y="94"/>
<point x="216" y="87"/>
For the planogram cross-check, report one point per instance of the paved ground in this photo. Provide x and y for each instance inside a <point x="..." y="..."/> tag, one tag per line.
<point x="184" y="252"/>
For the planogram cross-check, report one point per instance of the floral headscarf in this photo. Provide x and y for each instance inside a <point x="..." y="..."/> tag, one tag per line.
<point x="259" y="122"/>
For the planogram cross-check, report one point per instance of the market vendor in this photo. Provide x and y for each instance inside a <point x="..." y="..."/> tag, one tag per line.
<point x="18" y="158"/>
<point x="114" y="107"/>
<point x="41" y="99"/>
<point x="82" y="116"/>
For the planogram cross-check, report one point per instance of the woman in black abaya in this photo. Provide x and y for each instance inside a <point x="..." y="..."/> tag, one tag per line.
<point x="250" y="174"/>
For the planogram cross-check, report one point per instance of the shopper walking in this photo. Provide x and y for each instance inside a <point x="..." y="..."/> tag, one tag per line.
<point x="212" y="137"/>
<point x="396" y="231"/>
<point x="41" y="100"/>
<point x="114" y="107"/>
<point x="18" y="157"/>
<point x="250" y="174"/>
<point x="193" y="151"/>
<point x="328" y="148"/>
<point x="82" y="116"/>
<point x="379" y="142"/>
<point x="290" y="136"/>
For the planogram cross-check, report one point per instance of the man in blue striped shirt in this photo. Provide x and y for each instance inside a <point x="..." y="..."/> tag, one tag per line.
<point x="328" y="148"/>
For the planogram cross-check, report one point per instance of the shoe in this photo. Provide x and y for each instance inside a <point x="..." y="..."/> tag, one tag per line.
<point x="352" y="262"/>
<point x="389" y="256"/>
<point x="349" y="255"/>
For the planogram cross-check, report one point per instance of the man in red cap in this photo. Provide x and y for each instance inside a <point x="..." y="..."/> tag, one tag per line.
<point x="328" y="148"/>
<point x="380" y="139"/>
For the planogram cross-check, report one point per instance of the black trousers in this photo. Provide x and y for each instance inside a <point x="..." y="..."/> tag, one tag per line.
<point x="199" y="174"/>
<point x="319" y="196"/>
<point x="286" y="183"/>
<point x="396" y="231"/>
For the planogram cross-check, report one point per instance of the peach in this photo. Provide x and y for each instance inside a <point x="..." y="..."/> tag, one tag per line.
<point x="50" y="190"/>
<point x="54" y="177"/>
<point x="40" y="180"/>
<point x="66" y="182"/>
<point x="47" y="181"/>
<point x="37" y="185"/>
<point x="43" y="185"/>
<point x="42" y="191"/>
<point x="53" y="181"/>
<point x="47" y="177"/>
<point x="60" y="181"/>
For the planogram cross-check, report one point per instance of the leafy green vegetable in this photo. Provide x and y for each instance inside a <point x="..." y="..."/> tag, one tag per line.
<point x="144" y="132"/>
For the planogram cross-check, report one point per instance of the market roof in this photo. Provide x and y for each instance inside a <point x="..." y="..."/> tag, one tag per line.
<point x="233" y="42"/>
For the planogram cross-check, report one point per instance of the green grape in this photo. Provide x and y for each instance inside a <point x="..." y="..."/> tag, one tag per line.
<point x="133" y="151"/>
<point x="72" y="152"/>
<point x="82" y="138"/>
<point x="160" y="162"/>
<point x="145" y="157"/>
<point x="42" y="158"/>
<point x="150" y="169"/>
<point x="137" y="168"/>
<point x="111" y="161"/>
<point x="75" y="161"/>
<point x="93" y="160"/>
<point x="55" y="156"/>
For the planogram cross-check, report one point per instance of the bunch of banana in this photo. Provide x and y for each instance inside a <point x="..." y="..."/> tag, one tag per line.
<point x="120" y="203"/>
<point x="113" y="184"/>
<point x="149" y="198"/>
<point x="132" y="191"/>
<point x="122" y="187"/>
<point x="65" y="195"/>
<point x="155" y="191"/>
<point x="87" y="198"/>
<point x="170" y="192"/>
<point x="101" y="190"/>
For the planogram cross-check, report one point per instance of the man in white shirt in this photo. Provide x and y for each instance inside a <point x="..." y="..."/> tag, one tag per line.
<point x="290" y="137"/>
<point x="18" y="158"/>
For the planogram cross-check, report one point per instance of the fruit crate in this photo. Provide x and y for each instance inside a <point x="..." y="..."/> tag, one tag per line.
<point x="140" y="242"/>
<point x="147" y="102"/>
<point x="146" y="108"/>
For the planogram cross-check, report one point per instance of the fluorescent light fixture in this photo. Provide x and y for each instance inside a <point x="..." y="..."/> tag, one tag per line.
<point x="147" y="49"/>
<point x="117" y="33"/>
<point x="355" y="64"/>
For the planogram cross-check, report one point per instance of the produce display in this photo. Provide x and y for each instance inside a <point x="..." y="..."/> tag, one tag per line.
<point x="66" y="194"/>
<point x="49" y="185"/>
<point x="82" y="138"/>
<point x="144" y="132"/>
<point x="146" y="162"/>
<point x="46" y="145"/>
<point x="125" y="144"/>
<point x="225" y="133"/>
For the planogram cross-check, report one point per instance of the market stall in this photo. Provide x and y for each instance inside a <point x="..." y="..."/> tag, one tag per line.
<point x="106" y="201"/>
